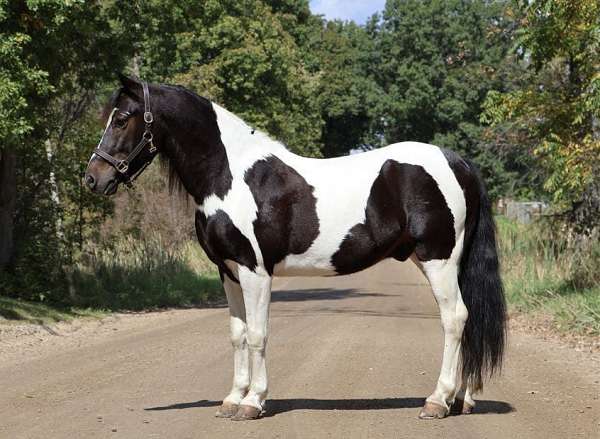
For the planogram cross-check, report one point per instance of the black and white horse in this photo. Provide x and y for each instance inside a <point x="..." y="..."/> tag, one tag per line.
<point x="263" y="211"/>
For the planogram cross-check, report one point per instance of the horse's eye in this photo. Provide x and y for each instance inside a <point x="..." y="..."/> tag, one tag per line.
<point x="120" y="123"/>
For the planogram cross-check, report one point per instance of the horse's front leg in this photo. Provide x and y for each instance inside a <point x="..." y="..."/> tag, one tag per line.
<point x="257" y="297"/>
<point x="241" y="375"/>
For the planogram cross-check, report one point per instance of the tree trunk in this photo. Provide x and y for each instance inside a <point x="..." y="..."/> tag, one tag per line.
<point x="8" y="198"/>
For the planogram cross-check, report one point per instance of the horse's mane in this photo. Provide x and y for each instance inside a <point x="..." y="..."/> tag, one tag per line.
<point x="168" y="167"/>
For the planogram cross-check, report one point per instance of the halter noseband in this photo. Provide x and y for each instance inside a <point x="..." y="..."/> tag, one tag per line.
<point x="122" y="166"/>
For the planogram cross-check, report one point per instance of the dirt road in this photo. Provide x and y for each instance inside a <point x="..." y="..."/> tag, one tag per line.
<point x="349" y="357"/>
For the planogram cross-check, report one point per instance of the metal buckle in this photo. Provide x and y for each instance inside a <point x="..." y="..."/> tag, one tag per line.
<point x="122" y="166"/>
<point x="148" y="118"/>
<point x="152" y="148"/>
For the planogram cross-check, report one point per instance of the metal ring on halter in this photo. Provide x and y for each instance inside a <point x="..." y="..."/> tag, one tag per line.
<point x="122" y="166"/>
<point x="148" y="118"/>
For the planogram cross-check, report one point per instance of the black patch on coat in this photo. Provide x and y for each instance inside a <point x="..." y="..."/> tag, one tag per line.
<point x="221" y="240"/>
<point x="406" y="212"/>
<point x="287" y="221"/>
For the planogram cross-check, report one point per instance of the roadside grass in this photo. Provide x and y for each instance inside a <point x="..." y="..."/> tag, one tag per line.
<point x="544" y="274"/>
<point x="136" y="275"/>
<point x="22" y="311"/>
<point x="129" y="275"/>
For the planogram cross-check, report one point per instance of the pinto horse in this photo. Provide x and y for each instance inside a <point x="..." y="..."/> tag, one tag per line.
<point x="263" y="211"/>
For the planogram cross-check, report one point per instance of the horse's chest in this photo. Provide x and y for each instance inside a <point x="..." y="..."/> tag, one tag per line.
<point x="222" y="240"/>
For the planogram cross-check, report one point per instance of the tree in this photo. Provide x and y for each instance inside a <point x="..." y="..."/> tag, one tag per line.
<point x="49" y="74"/>
<point x="242" y="54"/>
<point x="560" y="44"/>
<point x="347" y="93"/>
<point x="439" y="59"/>
<point x="18" y="80"/>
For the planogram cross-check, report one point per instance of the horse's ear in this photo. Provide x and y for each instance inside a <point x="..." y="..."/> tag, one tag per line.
<point x="131" y="86"/>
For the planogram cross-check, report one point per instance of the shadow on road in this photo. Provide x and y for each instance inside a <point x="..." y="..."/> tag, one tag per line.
<point x="186" y="405"/>
<point x="319" y="294"/>
<point x="277" y="406"/>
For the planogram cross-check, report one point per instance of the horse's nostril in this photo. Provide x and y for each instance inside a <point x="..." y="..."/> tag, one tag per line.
<point x="90" y="181"/>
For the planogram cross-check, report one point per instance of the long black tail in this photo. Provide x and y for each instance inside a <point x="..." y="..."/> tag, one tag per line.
<point x="484" y="336"/>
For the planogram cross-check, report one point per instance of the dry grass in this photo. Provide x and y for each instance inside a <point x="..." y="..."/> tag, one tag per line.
<point x="546" y="274"/>
<point x="141" y="274"/>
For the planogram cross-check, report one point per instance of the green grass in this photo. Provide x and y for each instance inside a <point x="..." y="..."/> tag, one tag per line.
<point x="32" y="312"/>
<point x="546" y="274"/>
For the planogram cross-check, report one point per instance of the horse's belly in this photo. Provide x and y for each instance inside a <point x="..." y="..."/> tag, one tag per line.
<point x="306" y="264"/>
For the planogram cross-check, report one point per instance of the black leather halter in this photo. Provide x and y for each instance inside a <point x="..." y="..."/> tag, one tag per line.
<point x="122" y="166"/>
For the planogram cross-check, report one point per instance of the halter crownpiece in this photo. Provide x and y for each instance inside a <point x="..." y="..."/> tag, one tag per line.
<point x="122" y="166"/>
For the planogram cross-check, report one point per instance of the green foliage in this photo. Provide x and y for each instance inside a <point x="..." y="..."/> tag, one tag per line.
<point x="347" y="93"/>
<point x="560" y="104"/>
<point x="18" y="80"/>
<point x="245" y="55"/>
<point x="438" y="61"/>
<point x="48" y="79"/>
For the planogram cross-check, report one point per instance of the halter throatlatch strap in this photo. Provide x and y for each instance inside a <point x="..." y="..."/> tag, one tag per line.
<point x="122" y="166"/>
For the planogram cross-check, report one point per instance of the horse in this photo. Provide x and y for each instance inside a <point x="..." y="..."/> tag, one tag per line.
<point x="263" y="211"/>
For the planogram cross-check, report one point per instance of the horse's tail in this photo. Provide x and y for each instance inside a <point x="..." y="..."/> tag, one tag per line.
<point x="484" y="336"/>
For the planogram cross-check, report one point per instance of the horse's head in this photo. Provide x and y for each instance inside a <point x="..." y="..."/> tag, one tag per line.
<point x="126" y="146"/>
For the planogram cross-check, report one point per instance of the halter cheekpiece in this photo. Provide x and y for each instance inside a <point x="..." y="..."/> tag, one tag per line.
<point x="122" y="166"/>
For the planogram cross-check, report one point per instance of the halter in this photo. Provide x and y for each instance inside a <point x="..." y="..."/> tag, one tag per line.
<point x="122" y="166"/>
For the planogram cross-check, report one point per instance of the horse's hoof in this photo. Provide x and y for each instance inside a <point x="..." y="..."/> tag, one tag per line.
<point x="461" y="407"/>
<point x="247" y="413"/>
<point x="467" y="408"/>
<point x="227" y="410"/>
<point x="432" y="410"/>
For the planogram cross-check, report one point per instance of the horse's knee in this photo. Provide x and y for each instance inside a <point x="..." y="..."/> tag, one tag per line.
<point x="257" y="339"/>
<point x="238" y="333"/>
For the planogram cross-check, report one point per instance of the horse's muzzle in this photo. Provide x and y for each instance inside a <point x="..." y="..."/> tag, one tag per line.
<point x="101" y="178"/>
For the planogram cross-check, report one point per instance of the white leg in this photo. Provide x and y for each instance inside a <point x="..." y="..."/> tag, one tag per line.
<point x="466" y="395"/>
<point x="257" y="297"/>
<point x="237" y="321"/>
<point x="237" y="324"/>
<point x="443" y="276"/>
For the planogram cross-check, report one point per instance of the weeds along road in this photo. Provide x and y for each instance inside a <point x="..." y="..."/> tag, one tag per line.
<point x="350" y="357"/>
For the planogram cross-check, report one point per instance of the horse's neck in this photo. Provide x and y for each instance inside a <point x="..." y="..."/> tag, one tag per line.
<point x="243" y="144"/>
<point x="194" y="148"/>
<point x="227" y="150"/>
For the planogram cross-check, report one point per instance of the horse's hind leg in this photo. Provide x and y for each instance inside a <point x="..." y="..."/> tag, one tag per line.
<point x="464" y="401"/>
<point x="237" y="322"/>
<point x="443" y="277"/>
